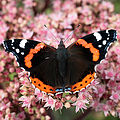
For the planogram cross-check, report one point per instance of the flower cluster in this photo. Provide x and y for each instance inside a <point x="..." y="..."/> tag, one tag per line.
<point x="11" y="80"/>
<point x="106" y="95"/>
<point x="26" y="19"/>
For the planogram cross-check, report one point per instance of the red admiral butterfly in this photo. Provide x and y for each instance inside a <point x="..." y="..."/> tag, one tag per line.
<point x="63" y="69"/>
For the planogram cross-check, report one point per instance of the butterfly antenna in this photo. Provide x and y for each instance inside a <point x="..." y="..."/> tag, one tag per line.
<point x="72" y="33"/>
<point x="51" y="33"/>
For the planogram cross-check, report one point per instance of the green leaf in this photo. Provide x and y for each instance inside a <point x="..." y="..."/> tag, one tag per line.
<point x="12" y="75"/>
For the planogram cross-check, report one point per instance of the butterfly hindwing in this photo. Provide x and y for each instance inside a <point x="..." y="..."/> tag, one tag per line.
<point x="78" y="69"/>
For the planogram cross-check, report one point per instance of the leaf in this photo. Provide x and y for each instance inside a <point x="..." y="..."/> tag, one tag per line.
<point x="12" y="75"/>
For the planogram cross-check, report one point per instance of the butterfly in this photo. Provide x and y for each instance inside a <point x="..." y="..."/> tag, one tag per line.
<point x="63" y="69"/>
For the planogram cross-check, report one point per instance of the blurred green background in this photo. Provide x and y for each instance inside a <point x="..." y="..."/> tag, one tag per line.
<point x="70" y="114"/>
<point x="117" y="5"/>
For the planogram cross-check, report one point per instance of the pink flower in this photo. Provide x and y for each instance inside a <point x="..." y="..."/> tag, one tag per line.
<point x="106" y="5"/>
<point x="111" y="84"/>
<point x="23" y="90"/>
<point x="42" y="110"/>
<point x="68" y="5"/>
<point x="11" y="70"/>
<point x="28" y="3"/>
<point x="2" y="95"/>
<point x="67" y="105"/>
<point x="47" y="117"/>
<point x="26" y="101"/>
<point x="57" y="5"/>
<point x="105" y="108"/>
<point x="1" y="68"/>
<point x="100" y="90"/>
<point x="50" y="102"/>
<point x="30" y="110"/>
<point x="109" y="74"/>
<point x="86" y="11"/>
<point x="81" y="102"/>
<point x="1" y="39"/>
<point x="73" y="16"/>
<point x="39" y="94"/>
<point x="58" y="105"/>
<point x="4" y="106"/>
<point x="95" y="105"/>
<point x="21" y="116"/>
<point x="28" y="34"/>
<point x="115" y="96"/>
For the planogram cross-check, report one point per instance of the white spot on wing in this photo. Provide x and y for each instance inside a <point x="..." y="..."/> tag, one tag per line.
<point x="104" y="42"/>
<point x="99" y="46"/>
<point x="107" y="31"/>
<point x="22" y="43"/>
<point x="58" y="93"/>
<point x="51" y="94"/>
<point x="88" y="85"/>
<point x="12" y="40"/>
<point x="68" y="92"/>
<point x="98" y="36"/>
<point x="17" y="50"/>
<point x="22" y="53"/>
<point x="28" y="73"/>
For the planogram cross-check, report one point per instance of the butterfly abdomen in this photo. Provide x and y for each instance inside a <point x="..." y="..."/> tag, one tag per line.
<point x="61" y="57"/>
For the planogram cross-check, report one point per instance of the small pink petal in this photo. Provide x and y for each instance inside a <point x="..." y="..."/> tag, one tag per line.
<point x="28" y="34"/>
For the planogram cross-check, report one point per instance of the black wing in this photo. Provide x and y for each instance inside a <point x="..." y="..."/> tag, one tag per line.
<point x="85" y="53"/>
<point x="37" y="58"/>
<point x="99" y="41"/>
<point x="29" y="53"/>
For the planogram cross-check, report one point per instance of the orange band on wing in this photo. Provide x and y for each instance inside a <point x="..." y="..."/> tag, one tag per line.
<point x="85" y="81"/>
<point x="29" y="57"/>
<point x="93" y="50"/>
<point x="41" y="86"/>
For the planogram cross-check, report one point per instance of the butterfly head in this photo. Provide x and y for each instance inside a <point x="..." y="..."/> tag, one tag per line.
<point x="61" y="44"/>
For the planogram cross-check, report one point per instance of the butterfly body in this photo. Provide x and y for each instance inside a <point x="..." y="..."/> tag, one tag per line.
<point x="62" y="57"/>
<point x="63" y="69"/>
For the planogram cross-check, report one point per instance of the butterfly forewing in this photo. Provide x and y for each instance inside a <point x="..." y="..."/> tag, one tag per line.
<point x="37" y="58"/>
<point x="29" y="53"/>
<point x="100" y="41"/>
